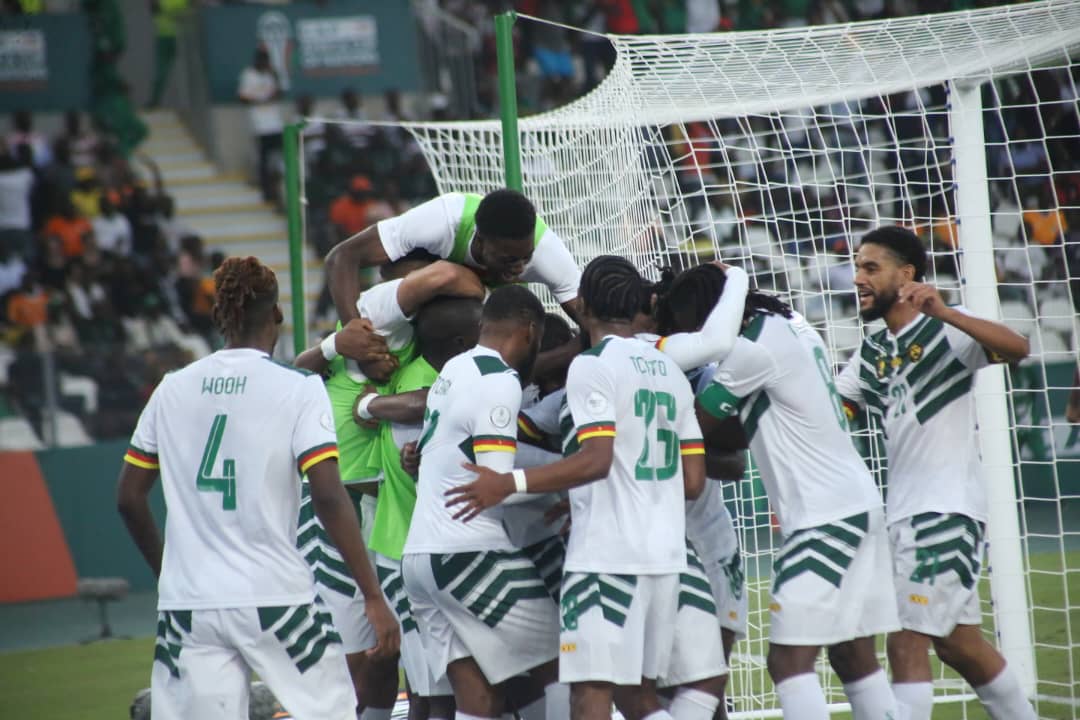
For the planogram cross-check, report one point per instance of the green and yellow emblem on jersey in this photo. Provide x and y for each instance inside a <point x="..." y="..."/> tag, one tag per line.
<point x="914" y="352"/>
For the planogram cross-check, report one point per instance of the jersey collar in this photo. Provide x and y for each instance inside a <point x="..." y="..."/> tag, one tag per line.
<point x="906" y="329"/>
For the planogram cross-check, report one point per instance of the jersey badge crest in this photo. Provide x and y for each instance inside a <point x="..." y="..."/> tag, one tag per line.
<point x="882" y="367"/>
<point x="914" y="352"/>
<point x="500" y="416"/>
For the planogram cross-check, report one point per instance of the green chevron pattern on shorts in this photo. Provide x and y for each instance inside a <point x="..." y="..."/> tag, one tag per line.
<point x="394" y="587"/>
<point x="947" y="543"/>
<point x="168" y="642"/>
<point x="736" y="576"/>
<point x="305" y="632"/>
<point x="613" y="594"/>
<point x="488" y="584"/>
<point x="825" y="550"/>
<point x="314" y="544"/>
<point x="548" y="557"/>
<point x="694" y="588"/>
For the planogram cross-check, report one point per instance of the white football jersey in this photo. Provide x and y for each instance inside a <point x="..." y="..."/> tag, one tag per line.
<point x="917" y="384"/>
<point x="632" y="521"/>
<point x="471" y="416"/>
<point x="435" y="224"/>
<point x="779" y="382"/>
<point x="232" y="433"/>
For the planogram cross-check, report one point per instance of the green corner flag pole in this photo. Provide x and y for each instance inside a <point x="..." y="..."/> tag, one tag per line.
<point x="504" y="49"/>
<point x="295" y="218"/>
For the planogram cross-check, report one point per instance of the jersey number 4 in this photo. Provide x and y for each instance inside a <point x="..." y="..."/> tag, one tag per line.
<point x="646" y="404"/>
<point x="205" y="481"/>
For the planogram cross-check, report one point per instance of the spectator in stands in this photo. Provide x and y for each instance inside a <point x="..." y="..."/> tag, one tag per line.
<point x="551" y="50"/>
<point x="27" y="308"/>
<point x="313" y="130"/>
<point x="356" y="129"/>
<point x="349" y="213"/>
<point x="112" y="231"/>
<point x="52" y="263"/>
<point x="16" y="184"/>
<point x="141" y="210"/>
<point x="86" y="195"/>
<point x="170" y="227"/>
<point x="70" y="227"/>
<point x="259" y="88"/>
<point x="167" y="16"/>
<point x="12" y="272"/>
<point x="82" y="142"/>
<point x="23" y="133"/>
<point x="1044" y="223"/>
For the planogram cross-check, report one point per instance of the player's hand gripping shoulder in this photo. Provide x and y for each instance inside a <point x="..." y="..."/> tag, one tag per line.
<point x="359" y="341"/>
<point x="488" y="490"/>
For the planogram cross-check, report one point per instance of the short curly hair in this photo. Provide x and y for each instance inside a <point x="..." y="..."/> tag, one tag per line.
<point x="245" y="294"/>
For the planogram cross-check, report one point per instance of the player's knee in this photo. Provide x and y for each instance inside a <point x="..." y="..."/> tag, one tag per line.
<point x="908" y="653"/>
<point x="785" y="661"/>
<point x="854" y="659"/>
<point x="967" y="651"/>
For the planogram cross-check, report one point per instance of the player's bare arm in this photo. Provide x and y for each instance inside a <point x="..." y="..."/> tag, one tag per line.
<point x="343" y="263"/>
<point x="439" y="278"/>
<point x="338" y="516"/>
<point x="405" y="408"/>
<point x="693" y="467"/>
<point x="994" y="336"/>
<point x="590" y="463"/>
<point x="358" y="341"/>
<point x="729" y="465"/>
<point x="133" y="502"/>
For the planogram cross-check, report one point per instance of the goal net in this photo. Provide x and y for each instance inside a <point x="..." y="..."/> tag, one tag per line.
<point x="777" y="151"/>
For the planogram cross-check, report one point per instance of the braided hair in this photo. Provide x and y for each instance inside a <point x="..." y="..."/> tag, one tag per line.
<point x="245" y="295"/>
<point x="694" y="293"/>
<point x="612" y="289"/>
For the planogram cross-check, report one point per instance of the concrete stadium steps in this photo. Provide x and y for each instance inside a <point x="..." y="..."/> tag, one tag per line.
<point x="225" y="209"/>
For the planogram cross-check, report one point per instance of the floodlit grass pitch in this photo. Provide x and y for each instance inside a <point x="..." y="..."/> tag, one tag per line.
<point x="97" y="681"/>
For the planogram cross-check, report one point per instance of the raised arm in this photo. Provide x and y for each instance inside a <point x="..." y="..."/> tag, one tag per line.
<point x="717" y="336"/>
<point x="993" y="336"/>
<point x="343" y="265"/>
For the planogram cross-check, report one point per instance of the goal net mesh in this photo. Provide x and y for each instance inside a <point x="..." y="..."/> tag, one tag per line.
<point x="776" y="151"/>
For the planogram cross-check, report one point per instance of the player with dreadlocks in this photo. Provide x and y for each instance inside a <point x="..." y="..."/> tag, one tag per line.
<point x="633" y="413"/>
<point x="234" y="593"/>
<point x="832" y="585"/>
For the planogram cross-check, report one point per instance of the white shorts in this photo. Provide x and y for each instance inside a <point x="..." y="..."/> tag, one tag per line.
<point x="832" y="583"/>
<point x="337" y="591"/>
<point x="548" y="556"/>
<point x="698" y="652"/>
<point x="728" y="582"/>
<point x="490" y="606"/>
<point x="203" y="660"/>
<point x="936" y="563"/>
<point x="418" y="671"/>
<point x="616" y="628"/>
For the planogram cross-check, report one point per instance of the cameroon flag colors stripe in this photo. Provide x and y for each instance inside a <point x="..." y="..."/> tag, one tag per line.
<point x="493" y="443"/>
<point x="141" y="458"/>
<point x="692" y="447"/>
<point x="594" y="430"/>
<point x="528" y="428"/>
<point x="316" y="455"/>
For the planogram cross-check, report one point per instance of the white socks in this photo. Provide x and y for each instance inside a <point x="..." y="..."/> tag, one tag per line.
<point x="801" y="698"/>
<point x="914" y="699"/>
<point x="376" y="713"/>
<point x="871" y="698"/>
<point x="1003" y="698"/>
<point x="690" y="704"/>
<point x="557" y="701"/>
<point x="658" y="715"/>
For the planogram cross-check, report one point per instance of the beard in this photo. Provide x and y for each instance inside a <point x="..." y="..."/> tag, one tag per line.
<point x="883" y="302"/>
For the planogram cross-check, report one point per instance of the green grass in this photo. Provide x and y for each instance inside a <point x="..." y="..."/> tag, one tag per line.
<point x="97" y="681"/>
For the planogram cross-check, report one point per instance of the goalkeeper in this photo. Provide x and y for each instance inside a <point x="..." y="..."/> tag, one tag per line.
<point x="499" y="235"/>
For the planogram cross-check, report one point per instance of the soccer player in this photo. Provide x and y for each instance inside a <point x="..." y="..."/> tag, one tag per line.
<point x="455" y="573"/>
<point x="915" y="376"/>
<point x="639" y="457"/>
<point x="445" y="327"/>
<point x="499" y="235"/>
<point x="410" y="283"/>
<point x="231" y="434"/>
<point x="830" y="583"/>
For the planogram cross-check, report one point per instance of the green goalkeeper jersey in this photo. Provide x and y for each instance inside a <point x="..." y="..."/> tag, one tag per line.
<point x="397" y="496"/>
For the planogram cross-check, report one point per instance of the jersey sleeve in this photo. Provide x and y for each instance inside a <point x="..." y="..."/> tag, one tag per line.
<point x="849" y="388"/>
<point x="314" y="439"/>
<point x="970" y="352"/>
<point x="379" y="304"/>
<point x="494" y="426"/>
<point x="541" y="419"/>
<point x="590" y="393"/>
<point x="143" y="450"/>
<point x="748" y="368"/>
<point x="717" y="336"/>
<point x="429" y="226"/>
<point x="554" y="266"/>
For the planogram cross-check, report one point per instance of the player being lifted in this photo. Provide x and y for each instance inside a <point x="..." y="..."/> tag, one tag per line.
<point x="455" y="573"/>
<point x="640" y="456"/>
<point x="231" y="434"/>
<point x="499" y="235"/>
<point x="830" y="583"/>
<point x="915" y="376"/>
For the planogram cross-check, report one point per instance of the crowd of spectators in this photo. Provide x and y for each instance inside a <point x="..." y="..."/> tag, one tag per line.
<point x="96" y="268"/>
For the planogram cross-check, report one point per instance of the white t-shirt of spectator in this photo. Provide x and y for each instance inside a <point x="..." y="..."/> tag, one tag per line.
<point x="113" y="234"/>
<point x="15" y="186"/>
<point x="12" y="271"/>
<point x="259" y="88"/>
